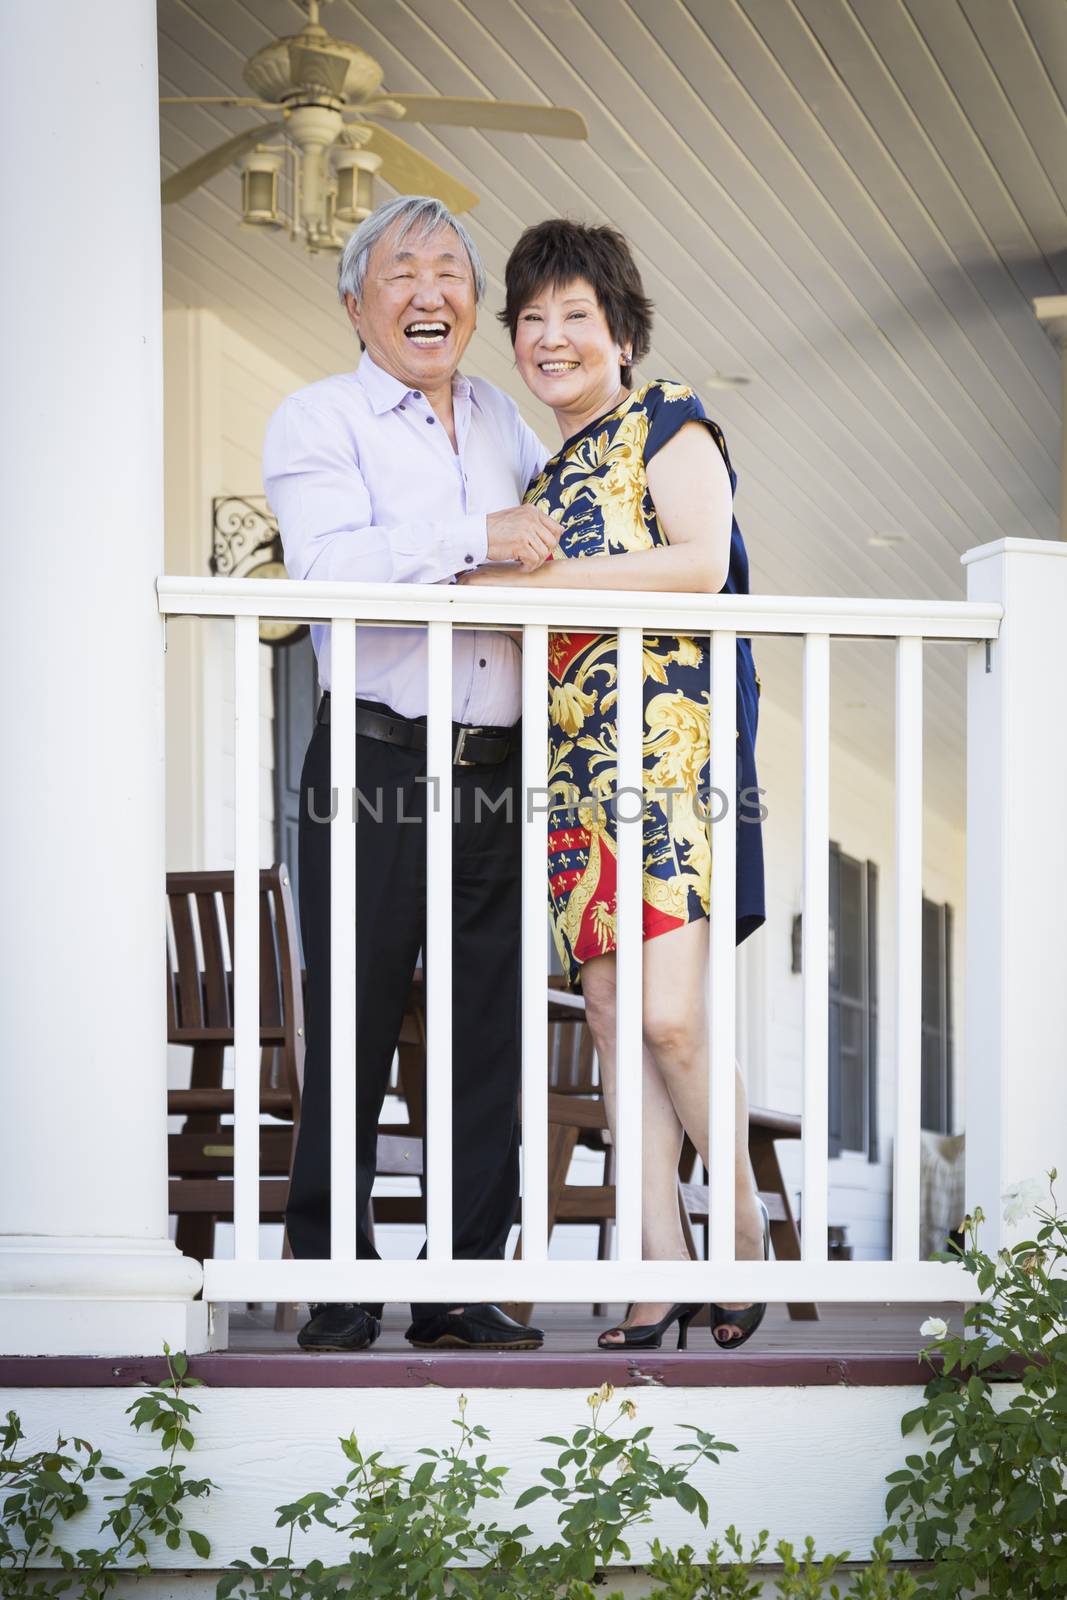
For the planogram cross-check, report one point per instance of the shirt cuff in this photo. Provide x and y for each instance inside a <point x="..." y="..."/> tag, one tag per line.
<point x="472" y="548"/>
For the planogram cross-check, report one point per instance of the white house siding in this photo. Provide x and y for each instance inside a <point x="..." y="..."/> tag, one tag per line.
<point x="263" y="1447"/>
<point x="219" y="391"/>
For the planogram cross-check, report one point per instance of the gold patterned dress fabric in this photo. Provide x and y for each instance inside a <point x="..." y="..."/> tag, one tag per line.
<point x="596" y="486"/>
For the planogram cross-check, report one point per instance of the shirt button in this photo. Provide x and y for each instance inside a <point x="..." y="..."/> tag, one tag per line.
<point x="482" y="662"/>
<point x="400" y="407"/>
<point x="416" y="394"/>
<point x="430" y="419"/>
<point x="469" y="560"/>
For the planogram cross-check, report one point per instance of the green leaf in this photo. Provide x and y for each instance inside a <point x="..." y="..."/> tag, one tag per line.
<point x="200" y="1543"/>
<point x="1023" y="1505"/>
<point x="528" y="1496"/>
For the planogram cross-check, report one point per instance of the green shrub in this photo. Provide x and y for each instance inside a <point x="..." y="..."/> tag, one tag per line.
<point x="985" y="1503"/>
<point x="47" y="1488"/>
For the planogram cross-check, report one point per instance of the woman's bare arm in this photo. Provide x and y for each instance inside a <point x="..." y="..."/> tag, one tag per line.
<point x="690" y="488"/>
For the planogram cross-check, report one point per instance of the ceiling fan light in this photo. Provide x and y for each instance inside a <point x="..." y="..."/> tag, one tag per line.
<point x="259" y="189"/>
<point x="355" y="184"/>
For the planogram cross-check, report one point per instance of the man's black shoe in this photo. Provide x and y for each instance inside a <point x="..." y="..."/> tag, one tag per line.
<point x="474" y="1328"/>
<point x="339" y="1327"/>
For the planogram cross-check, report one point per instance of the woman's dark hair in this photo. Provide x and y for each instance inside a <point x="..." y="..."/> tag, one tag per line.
<point x="554" y="253"/>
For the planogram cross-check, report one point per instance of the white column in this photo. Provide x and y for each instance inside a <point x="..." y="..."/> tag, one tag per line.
<point x="1015" y="1044"/>
<point x="1051" y="312"/>
<point x="85" y="1262"/>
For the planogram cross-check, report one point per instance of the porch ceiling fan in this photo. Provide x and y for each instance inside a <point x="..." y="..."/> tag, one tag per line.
<point x="327" y="91"/>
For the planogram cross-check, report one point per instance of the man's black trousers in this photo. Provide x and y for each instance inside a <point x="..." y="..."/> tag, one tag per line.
<point x="390" y="930"/>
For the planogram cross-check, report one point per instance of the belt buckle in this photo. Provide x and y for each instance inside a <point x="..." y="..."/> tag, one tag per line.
<point x="458" y="758"/>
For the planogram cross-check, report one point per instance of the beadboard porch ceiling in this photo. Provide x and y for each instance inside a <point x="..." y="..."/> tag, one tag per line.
<point x="848" y="203"/>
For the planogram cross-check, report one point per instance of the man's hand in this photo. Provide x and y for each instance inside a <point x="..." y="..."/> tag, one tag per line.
<point x="522" y="534"/>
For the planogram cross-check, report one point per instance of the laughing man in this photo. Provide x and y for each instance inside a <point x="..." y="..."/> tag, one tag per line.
<point x="405" y="471"/>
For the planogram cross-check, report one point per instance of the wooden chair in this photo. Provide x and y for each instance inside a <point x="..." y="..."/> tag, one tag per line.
<point x="200" y="937"/>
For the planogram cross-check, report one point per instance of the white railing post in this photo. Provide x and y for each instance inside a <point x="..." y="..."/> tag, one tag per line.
<point x="722" y="1031"/>
<point x="438" y="944"/>
<point x="815" y="934"/>
<point x="1016" y="987"/>
<point x="343" y="820"/>
<point x="532" y="808"/>
<point x="245" y="953"/>
<point x="909" y="874"/>
<point x="629" y="911"/>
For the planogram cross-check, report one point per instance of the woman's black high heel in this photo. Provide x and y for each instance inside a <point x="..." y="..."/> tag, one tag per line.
<point x="649" y="1335"/>
<point x="747" y="1318"/>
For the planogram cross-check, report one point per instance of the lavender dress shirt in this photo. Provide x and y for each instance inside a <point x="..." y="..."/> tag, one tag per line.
<point x="366" y="487"/>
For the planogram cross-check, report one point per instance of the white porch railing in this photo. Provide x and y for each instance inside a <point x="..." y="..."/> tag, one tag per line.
<point x="627" y="1277"/>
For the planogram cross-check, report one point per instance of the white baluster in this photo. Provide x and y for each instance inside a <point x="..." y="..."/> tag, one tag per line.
<point x="722" y="993"/>
<point x="342" y="941"/>
<point x="629" y="832"/>
<point x="531" y="808"/>
<point x="815" y="926"/>
<point x="245" y="954"/>
<point x="909" y="865"/>
<point x="438" y="953"/>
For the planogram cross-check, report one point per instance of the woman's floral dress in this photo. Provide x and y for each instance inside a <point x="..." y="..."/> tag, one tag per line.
<point x="596" y="486"/>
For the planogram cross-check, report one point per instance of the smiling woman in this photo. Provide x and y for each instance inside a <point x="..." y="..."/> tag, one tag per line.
<point x="643" y="487"/>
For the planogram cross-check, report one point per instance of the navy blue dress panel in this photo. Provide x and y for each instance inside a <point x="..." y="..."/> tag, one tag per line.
<point x="666" y="418"/>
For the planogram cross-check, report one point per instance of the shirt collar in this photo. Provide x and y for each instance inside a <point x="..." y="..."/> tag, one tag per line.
<point x="386" y="392"/>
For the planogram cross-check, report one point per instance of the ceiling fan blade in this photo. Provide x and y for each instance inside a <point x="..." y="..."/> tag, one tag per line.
<point x="410" y="172"/>
<point x="179" y="184"/>
<point x="506" y="116"/>
<point x="214" y="100"/>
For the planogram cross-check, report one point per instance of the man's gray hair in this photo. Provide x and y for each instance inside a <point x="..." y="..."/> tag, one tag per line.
<point x="417" y="214"/>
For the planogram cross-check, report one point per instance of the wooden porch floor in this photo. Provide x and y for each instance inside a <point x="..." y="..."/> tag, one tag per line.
<point x="841" y="1330"/>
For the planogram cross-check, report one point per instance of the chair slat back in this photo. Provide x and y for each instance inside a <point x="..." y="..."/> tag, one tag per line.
<point x="217" y="1007"/>
<point x="200" y="945"/>
<point x="571" y="1066"/>
<point x="185" y="965"/>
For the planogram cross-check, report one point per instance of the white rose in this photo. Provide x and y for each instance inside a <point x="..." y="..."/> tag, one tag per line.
<point x="934" y="1328"/>
<point x="1021" y="1198"/>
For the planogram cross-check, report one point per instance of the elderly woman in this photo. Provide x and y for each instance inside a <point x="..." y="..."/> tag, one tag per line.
<point x="643" y="488"/>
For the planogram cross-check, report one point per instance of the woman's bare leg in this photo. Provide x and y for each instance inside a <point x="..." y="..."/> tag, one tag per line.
<point x="676" y="1035"/>
<point x="662" y="1238"/>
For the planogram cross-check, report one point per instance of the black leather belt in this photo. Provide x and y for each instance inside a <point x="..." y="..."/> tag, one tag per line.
<point x="472" y="747"/>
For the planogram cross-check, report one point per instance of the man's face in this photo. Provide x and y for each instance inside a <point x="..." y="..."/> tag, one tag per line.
<point x="417" y="311"/>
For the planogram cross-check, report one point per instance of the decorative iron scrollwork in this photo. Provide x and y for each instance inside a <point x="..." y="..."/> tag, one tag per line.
<point x="246" y="543"/>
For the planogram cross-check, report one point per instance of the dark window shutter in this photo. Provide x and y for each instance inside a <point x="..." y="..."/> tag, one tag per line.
<point x="936" y="1095"/>
<point x="853" y="1004"/>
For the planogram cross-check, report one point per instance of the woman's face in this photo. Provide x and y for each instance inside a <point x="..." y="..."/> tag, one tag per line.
<point x="565" y="351"/>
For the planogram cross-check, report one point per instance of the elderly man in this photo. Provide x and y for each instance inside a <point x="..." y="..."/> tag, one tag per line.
<point x="406" y="471"/>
